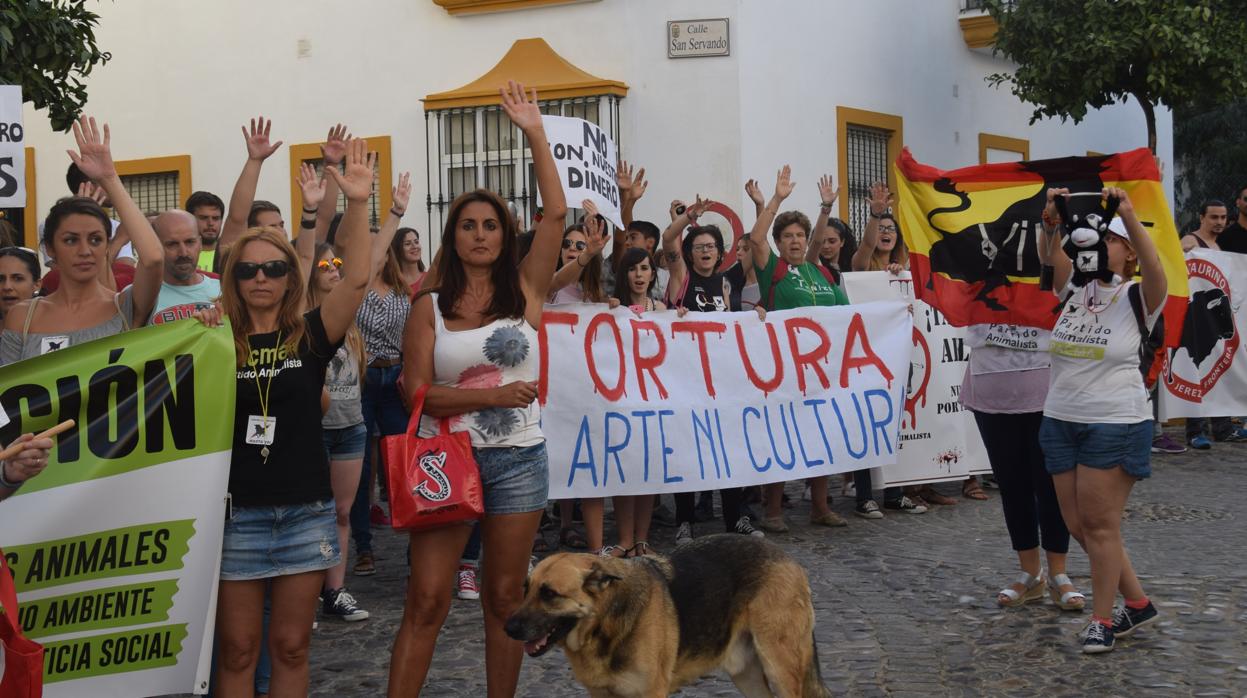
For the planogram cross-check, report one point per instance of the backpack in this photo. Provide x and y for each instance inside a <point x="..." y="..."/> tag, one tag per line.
<point x="781" y="270"/>
<point x="1153" y="343"/>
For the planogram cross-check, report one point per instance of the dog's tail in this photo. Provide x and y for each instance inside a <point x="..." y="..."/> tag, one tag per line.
<point x="814" y="686"/>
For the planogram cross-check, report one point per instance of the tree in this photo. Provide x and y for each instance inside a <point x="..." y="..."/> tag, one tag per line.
<point x="1209" y="151"/>
<point x="1075" y="54"/>
<point x="48" y="47"/>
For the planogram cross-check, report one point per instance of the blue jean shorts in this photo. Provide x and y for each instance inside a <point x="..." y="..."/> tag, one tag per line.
<point x="516" y="478"/>
<point x="274" y="541"/>
<point x="1102" y="446"/>
<point x="346" y="443"/>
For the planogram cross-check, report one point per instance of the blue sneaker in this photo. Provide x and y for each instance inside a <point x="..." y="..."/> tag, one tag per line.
<point x="1200" y="442"/>
<point x="1237" y="436"/>
<point x="1097" y="638"/>
<point x="1127" y="620"/>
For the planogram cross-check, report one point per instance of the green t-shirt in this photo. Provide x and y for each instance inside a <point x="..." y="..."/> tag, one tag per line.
<point x="206" y="258"/>
<point x="802" y="286"/>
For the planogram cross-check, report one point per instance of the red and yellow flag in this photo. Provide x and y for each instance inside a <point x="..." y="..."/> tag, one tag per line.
<point x="973" y="233"/>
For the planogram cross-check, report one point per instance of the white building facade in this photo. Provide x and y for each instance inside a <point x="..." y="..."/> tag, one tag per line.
<point x="829" y="86"/>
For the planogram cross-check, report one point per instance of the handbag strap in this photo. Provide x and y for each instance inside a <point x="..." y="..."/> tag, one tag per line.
<point x="8" y="596"/>
<point x="417" y="411"/>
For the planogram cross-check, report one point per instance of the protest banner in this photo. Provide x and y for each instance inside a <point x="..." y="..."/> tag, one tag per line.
<point x="1206" y="375"/>
<point x="939" y="440"/>
<point x="658" y="403"/>
<point x="973" y="233"/>
<point x="585" y="156"/>
<point x="12" y="150"/>
<point x="116" y="546"/>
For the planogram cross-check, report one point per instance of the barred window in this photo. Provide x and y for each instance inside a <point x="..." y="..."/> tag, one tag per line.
<point x="374" y="196"/>
<point x="153" y="191"/>
<point x="867" y="163"/>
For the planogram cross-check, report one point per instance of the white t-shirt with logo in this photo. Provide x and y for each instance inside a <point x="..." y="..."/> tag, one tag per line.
<point x="1095" y="359"/>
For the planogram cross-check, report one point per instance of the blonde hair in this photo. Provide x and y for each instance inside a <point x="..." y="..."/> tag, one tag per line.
<point x="289" y="317"/>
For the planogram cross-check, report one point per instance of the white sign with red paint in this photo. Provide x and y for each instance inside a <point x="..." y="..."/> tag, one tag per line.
<point x="1206" y="376"/>
<point x="939" y="438"/>
<point x="657" y="403"/>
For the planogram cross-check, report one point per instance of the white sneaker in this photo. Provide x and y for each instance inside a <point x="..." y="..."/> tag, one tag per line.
<point x="683" y="534"/>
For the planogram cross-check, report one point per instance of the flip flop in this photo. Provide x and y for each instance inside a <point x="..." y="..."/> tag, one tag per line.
<point x="971" y="489"/>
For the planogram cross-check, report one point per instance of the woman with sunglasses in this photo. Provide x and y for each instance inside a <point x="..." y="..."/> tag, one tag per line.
<point x="76" y="235"/>
<point x="19" y="277"/>
<point x="473" y="342"/>
<point x="281" y="532"/>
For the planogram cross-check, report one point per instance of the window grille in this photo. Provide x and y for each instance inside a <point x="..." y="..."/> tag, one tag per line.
<point x="867" y="155"/>
<point x="153" y="191"/>
<point x="470" y="147"/>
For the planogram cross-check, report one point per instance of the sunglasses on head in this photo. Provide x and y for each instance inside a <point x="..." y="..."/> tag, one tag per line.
<point x="323" y="264"/>
<point x="578" y="244"/>
<point x="275" y="269"/>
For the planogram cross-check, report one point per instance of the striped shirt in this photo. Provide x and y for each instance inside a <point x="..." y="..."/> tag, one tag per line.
<point x="381" y="320"/>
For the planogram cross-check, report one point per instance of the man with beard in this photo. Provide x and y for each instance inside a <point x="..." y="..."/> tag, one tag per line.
<point x="1234" y="237"/>
<point x="208" y="209"/>
<point x="185" y="289"/>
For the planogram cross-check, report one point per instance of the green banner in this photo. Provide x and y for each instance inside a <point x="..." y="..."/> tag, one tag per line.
<point x="114" y="653"/>
<point x="152" y="547"/>
<point x="98" y="609"/>
<point x="138" y="399"/>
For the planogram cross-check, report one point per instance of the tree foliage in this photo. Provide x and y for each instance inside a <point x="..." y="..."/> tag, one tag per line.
<point x="1072" y="55"/>
<point x="1210" y="150"/>
<point x="48" y="47"/>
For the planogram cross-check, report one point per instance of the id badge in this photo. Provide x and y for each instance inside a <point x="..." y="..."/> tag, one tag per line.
<point x="53" y="343"/>
<point x="260" y="430"/>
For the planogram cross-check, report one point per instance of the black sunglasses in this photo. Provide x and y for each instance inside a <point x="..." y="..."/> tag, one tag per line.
<point x="272" y="270"/>
<point x="579" y="244"/>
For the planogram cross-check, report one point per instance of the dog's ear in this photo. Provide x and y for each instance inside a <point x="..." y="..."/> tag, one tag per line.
<point x="598" y="578"/>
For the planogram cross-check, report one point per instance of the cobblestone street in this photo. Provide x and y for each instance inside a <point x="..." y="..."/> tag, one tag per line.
<point x="906" y="605"/>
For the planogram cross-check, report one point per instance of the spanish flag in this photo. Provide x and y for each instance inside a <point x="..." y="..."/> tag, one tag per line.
<point x="973" y="233"/>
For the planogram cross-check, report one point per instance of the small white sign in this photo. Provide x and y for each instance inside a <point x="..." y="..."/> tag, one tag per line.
<point x="695" y="38"/>
<point x="585" y="156"/>
<point x="12" y="152"/>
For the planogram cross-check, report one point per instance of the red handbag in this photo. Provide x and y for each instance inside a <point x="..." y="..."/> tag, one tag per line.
<point x="21" y="659"/>
<point x="433" y="482"/>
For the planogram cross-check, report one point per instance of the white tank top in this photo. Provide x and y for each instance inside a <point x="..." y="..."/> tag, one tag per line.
<point x="501" y="352"/>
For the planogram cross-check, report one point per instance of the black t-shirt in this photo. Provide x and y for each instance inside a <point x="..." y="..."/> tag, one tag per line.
<point x="1233" y="238"/>
<point x="297" y="470"/>
<point x="704" y="293"/>
<point x="736" y="281"/>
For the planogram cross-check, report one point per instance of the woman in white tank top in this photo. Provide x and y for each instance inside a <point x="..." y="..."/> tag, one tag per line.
<point x="473" y="341"/>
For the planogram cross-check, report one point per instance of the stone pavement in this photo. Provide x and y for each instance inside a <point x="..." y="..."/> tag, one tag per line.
<point x="905" y="605"/>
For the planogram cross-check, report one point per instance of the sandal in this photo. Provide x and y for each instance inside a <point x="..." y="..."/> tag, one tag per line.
<point x="1071" y="600"/>
<point x="571" y="538"/>
<point x="970" y="489"/>
<point x="1033" y="588"/>
<point x="611" y="551"/>
<point x="540" y="545"/>
<point x="929" y="495"/>
<point x="640" y="549"/>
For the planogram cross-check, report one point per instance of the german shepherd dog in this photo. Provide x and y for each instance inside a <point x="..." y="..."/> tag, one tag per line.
<point x="647" y="626"/>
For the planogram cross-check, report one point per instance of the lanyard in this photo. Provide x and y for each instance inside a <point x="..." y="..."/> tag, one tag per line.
<point x="263" y="395"/>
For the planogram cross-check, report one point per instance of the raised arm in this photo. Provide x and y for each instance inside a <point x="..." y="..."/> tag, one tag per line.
<point x="537" y="268"/>
<point x="671" y="239"/>
<point x="632" y="187"/>
<point x="880" y="201"/>
<point x="338" y="310"/>
<point x="595" y="242"/>
<point x="827" y="195"/>
<point x="754" y="192"/>
<point x="1050" y="252"/>
<point x="258" y="150"/>
<point x="1155" y="283"/>
<point x="313" y="190"/>
<point x="401" y="195"/>
<point x="332" y="154"/>
<point x="95" y="159"/>
<point x="758" y="244"/>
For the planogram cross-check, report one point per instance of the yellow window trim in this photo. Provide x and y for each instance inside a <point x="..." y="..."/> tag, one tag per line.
<point x="1095" y="154"/>
<point x="302" y="152"/>
<point x="1021" y="146"/>
<point x="467" y="7"/>
<point x="30" y="215"/>
<point x="846" y="116"/>
<point x="978" y="31"/>
<point x="181" y="164"/>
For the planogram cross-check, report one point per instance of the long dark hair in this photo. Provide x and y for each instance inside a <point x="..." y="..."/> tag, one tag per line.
<point x="396" y="245"/>
<point x="848" y="245"/>
<point x="898" y="255"/>
<point x="591" y="277"/>
<point x="508" y="299"/>
<point x="630" y="258"/>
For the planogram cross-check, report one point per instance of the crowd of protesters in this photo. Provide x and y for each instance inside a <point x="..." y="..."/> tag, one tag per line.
<point x="371" y="324"/>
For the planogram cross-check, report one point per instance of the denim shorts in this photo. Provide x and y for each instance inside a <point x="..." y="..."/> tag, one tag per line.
<point x="516" y="478"/>
<point x="275" y="541"/>
<point x="346" y="443"/>
<point x="1102" y="446"/>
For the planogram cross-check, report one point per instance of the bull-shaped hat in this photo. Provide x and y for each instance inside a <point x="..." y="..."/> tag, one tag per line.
<point x="1087" y="244"/>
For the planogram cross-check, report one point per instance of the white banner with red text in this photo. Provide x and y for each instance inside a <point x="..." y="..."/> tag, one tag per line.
<point x="939" y="439"/>
<point x="657" y="403"/>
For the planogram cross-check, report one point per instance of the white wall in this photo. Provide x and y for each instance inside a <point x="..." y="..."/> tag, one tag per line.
<point x="185" y="75"/>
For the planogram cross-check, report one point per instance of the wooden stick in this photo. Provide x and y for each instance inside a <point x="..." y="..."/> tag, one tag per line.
<point x="17" y="448"/>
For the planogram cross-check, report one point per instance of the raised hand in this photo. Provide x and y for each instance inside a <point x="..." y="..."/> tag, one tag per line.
<point x="676" y="204"/>
<point x="94" y="156"/>
<point x="623" y="177"/>
<point x="1124" y="206"/>
<point x="313" y="187"/>
<point x="754" y="192"/>
<point x="697" y="208"/>
<point x="258" y="145"/>
<point x="402" y="192"/>
<point x="638" y="185"/>
<point x="1052" y="216"/>
<point x="783" y="183"/>
<point x="89" y="190"/>
<point x="881" y="198"/>
<point x="595" y="233"/>
<point x="827" y="191"/>
<point x="356" y="182"/>
<point x="521" y="107"/>
<point x="334" y="148"/>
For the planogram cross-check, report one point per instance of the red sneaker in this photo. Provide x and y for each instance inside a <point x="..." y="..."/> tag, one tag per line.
<point x="378" y="517"/>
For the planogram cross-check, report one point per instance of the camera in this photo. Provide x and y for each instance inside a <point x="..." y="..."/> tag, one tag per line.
<point x="679" y="210"/>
